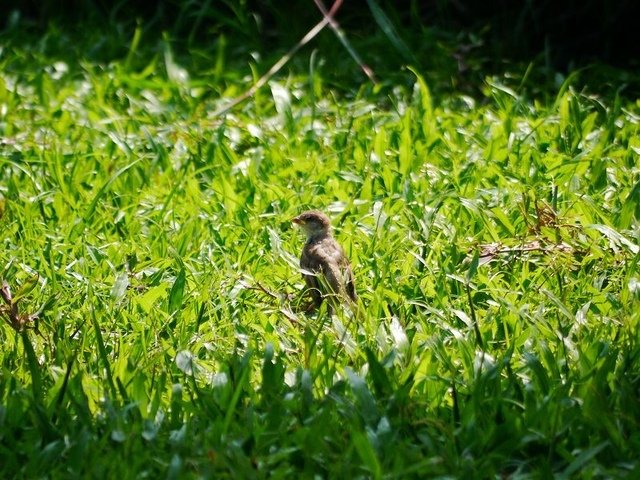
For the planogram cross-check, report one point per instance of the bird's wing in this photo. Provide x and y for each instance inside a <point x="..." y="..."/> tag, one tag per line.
<point x="333" y="276"/>
<point x="337" y="272"/>
<point x="327" y="259"/>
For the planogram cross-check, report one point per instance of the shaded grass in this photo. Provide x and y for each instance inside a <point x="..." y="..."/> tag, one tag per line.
<point x="141" y="228"/>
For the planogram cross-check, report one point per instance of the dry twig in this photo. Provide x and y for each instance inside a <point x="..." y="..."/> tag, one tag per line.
<point x="327" y="19"/>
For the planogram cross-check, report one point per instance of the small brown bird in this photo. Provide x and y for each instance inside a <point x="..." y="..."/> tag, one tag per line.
<point x="327" y="271"/>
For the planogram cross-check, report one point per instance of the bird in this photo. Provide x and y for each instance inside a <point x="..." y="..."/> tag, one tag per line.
<point x="325" y="267"/>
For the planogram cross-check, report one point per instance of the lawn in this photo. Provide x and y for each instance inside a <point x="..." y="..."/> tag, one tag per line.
<point x="153" y="322"/>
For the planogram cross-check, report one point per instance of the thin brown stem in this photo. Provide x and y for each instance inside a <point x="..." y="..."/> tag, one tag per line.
<point x="343" y="39"/>
<point x="282" y="62"/>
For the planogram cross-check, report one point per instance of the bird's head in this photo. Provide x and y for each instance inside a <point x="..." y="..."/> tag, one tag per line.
<point x="314" y="223"/>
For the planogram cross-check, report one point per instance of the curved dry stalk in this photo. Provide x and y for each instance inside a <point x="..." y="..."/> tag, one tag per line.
<point x="343" y="39"/>
<point x="326" y="20"/>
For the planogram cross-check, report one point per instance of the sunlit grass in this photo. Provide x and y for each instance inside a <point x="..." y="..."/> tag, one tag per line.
<point x="495" y="243"/>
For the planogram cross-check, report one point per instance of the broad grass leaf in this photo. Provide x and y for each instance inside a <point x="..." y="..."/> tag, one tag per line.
<point x="185" y="361"/>
<point x="150" y="297"/>
<point x="405" y="150"/>
<point x="176" y="294"/>
<point x="120" y="286"/>
<point x="365" y="400"/>
<point x="502" y="219"/>
<point x="90" y="211"/>
<point x="34" y="368"/>
<point x="367" y="453"/>
<point x="400" y="339"/>
<point x="379" y="215"/>
<point x="473" y="266"/>
<point x="272" y="374"/>
<point x="464" y="317"/>
<point x="634" y="287"/>
<point x="104" y="357"/>
<point x="558" y="303"/>
<point x="631" y="206"/>
<point x="175" y="72"/>
<point x="582" y="459"/>
<point x="616" y="239"/>
<point x="378" y="374"/>
<point x="26" y="288"/>
<point x="387" y="27"/>
<point x="539" y="371"/>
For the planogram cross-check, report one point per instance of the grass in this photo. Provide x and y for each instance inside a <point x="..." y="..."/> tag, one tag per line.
<point x="495" y="241"/>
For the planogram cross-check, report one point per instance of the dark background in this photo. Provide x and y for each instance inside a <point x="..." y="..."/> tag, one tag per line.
<point x="568" y="33"/>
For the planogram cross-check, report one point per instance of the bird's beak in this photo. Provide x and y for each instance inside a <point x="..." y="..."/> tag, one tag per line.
<point x="296" y="220"/>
